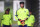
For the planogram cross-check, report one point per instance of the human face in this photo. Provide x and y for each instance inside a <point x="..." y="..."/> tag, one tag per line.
<point x="30" y="13"/>
<point x="7" y="12"/>
<point x="22" y="5"/>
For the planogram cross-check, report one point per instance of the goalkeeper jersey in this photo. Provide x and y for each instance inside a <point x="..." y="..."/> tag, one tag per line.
<point x="6" y="20"/>
<point x="22" y="13"/>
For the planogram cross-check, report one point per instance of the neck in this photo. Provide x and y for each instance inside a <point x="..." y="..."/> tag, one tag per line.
<point x="22" y="7"/>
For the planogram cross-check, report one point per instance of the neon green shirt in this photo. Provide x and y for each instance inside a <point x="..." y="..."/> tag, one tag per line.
<point x="22" y="14"/>
<point x="6" y="20"/>
<point x="31" y="20"/>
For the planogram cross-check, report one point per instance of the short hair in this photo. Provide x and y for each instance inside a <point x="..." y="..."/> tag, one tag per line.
<point x="21" y="2"/>
<point x="8" y="9"/>
<point x="30" y="11"/>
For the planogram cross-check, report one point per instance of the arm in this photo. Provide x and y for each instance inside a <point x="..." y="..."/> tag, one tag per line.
<point x="10" y="21"/>
<point x="33" y="20"/>
<point x="16" y="15"/>
<point x="2" y="21"/>
<point x="28" y="15"/>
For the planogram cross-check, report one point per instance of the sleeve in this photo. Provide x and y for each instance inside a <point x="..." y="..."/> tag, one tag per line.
<point x="28" y="15"/>
<point x="16" y="15"/>
<point x="2" y="21"/>
<point x="10" y="20"/>
<point x="33" y="20"/>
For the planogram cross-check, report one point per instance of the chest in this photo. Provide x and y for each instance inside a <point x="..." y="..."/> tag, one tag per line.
<point x="7" y="17"/>
<point x="31" y="18"/>
<point x="22" y="11"/>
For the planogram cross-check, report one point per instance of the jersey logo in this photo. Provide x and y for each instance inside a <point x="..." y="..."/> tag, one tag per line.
<point x="24" y="11"/>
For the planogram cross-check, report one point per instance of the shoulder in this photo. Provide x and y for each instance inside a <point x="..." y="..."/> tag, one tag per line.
<point x="18" y="10"/>
<point x="9" y="14"/>
<point x="4" y="14"/>
<point x="32" y="15"/>
<point x="25" y="9"/>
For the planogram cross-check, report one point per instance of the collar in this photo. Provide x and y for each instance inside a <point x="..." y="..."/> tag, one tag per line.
<point x="21" y="8"/>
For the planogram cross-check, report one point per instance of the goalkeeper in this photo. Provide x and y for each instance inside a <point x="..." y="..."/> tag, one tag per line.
<point x="22" y="15"/>
<point x="31" y="20"/>
<point x="6" y="20"/>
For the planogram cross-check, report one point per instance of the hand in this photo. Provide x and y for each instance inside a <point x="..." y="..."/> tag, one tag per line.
<point x="25" y="18"/>
<point x="23" y="22"/>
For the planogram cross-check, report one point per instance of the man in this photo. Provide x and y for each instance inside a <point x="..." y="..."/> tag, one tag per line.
<point x="31" y="20"/>
<point x="22" y="15"/>
<point x="6" y="20"/>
